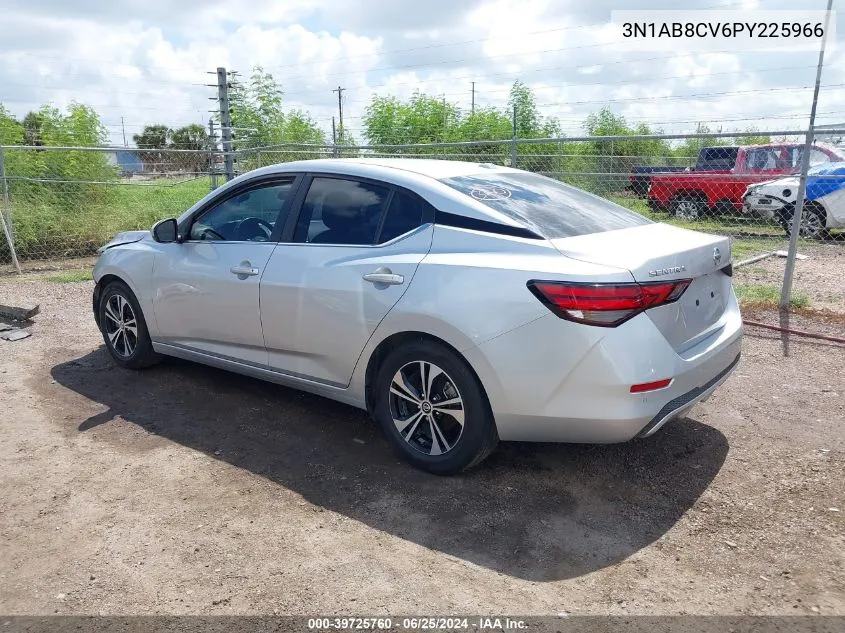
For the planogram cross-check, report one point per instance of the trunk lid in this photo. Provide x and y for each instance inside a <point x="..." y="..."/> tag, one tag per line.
<point x="662" y="252"/>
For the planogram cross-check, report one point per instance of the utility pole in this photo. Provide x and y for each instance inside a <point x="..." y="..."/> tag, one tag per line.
<point x="339" y="92"/>
<point x="225" y="121"/>
<point x="472" y="109"/>
<point x="123" y="127"/>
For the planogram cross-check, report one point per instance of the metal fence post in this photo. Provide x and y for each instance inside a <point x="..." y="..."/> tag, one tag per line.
<point x="212" y="144"/>
<point x="6" y="213"/>
<point x="514" y="149"/>
<point x="786" y="290"/>
<point x="225" y="121"/>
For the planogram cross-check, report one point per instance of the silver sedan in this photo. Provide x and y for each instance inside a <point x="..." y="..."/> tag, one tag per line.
<point x="459" y="303"/>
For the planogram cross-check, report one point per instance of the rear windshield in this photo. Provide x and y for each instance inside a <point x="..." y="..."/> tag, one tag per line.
<point x="544" y="205"/>
<point x="715" y="158"/>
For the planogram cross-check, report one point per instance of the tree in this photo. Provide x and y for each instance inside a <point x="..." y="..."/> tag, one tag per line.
<point x="153" y="137"/>
<point x="690" y="147"/>
<point x="32" y="124"/>
<point x="422" y="119"/>
<point x="521" y="102"/>
<point x="190" y="137"/>
<point x="76" y="170"/>
<point x="259" y="118"/>
<point x="193" y="136"/>
<point x="11" y="131"/>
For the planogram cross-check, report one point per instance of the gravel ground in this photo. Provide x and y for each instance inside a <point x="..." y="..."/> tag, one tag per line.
<point x="184" y="489"/>
<point x="821" y="277"/>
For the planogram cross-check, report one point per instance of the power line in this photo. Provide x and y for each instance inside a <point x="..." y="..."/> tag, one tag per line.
<point x="474" y="75"/>
<point x="704" y="95"/>
<point x="603" y="83"/>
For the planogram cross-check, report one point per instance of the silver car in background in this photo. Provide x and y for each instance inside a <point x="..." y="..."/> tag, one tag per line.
<point x="459" y="303"/>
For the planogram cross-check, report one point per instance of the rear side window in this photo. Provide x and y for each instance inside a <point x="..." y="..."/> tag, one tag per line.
<point x="404" y="214"/>
<point x="716" y="158"/>
<point x="547" y="206"/>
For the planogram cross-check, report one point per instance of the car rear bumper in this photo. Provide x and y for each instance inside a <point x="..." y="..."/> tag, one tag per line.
<point x="556" y="381"/>
<point x="683" y="403"/>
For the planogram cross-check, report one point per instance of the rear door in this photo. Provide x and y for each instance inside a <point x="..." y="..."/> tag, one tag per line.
<point x="350" y="255"/>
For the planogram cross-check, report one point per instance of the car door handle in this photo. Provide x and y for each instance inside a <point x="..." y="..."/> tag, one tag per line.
<point x="243" y="270"/>
<point x="387" y="278"/>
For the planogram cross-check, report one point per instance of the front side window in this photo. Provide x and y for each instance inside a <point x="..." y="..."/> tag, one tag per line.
<point x="340" y="211"/>
<point x="549" y="207"/>
<point x="249" y="216"/>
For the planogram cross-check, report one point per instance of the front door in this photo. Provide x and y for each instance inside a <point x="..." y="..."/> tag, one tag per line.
<point x="206" y="289"/>
<point x="354" y="251"/>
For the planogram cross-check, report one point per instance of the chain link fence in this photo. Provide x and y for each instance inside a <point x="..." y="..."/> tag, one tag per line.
<point x="60" y="203"/>
<point x="63" y="203"/>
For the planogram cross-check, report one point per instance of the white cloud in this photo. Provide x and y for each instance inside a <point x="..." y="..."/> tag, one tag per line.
<point x="147" y="60"/>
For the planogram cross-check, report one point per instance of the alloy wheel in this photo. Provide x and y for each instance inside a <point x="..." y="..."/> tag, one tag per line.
<point x="121" y="326"/>
<point x="688" y="210"/>
<point x="811" y="224"/>
<point x="427" y="408"/>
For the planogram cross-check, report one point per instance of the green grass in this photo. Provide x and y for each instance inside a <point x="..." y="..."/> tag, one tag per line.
<point x="70" y="276"/>
<point x="47" y="226"/>
<point x="763" y="295"/>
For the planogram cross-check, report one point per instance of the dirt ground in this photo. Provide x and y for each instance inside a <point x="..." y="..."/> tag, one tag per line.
<point x="184" y="489"/>
<point x="820" y="277"/>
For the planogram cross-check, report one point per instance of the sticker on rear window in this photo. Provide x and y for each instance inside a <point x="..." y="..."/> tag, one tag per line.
<point x="490" y="193"/>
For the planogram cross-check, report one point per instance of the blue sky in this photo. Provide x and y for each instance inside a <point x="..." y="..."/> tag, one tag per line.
<point x="146" y="60"/>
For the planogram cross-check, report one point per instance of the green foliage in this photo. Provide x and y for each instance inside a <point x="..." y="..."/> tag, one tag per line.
<point x="11" y="131"/>
<point x="422" y="119"/>
<point x="522" y="104"/>
<point x="153" y="137"/>
<point x="430" y="119"/>
<point x="259" y="116"/>
<point x="30" y="170"/>
<point x="192" y="137"/>
<point x="33" y="123"/>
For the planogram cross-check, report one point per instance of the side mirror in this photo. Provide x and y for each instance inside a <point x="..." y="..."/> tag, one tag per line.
<point x="166" y="231"/>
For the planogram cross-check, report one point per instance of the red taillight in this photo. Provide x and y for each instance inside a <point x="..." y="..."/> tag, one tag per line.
<point x="650" y="386"/>
<point x="607" y="305"/>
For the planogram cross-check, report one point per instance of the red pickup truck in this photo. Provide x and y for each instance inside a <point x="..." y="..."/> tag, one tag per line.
<point x="721" y="175"/>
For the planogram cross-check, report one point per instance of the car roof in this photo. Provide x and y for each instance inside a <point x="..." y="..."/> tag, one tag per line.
<point x="430" y="167"/>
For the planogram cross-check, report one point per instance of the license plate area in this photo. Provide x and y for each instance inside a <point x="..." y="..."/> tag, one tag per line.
<point x="704" y="302"/>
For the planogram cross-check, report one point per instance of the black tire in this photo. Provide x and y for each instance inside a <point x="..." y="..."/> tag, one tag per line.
<point x="472" y="441"/>
<point x="140" y="354"/>
<point x="812" y="223"/>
